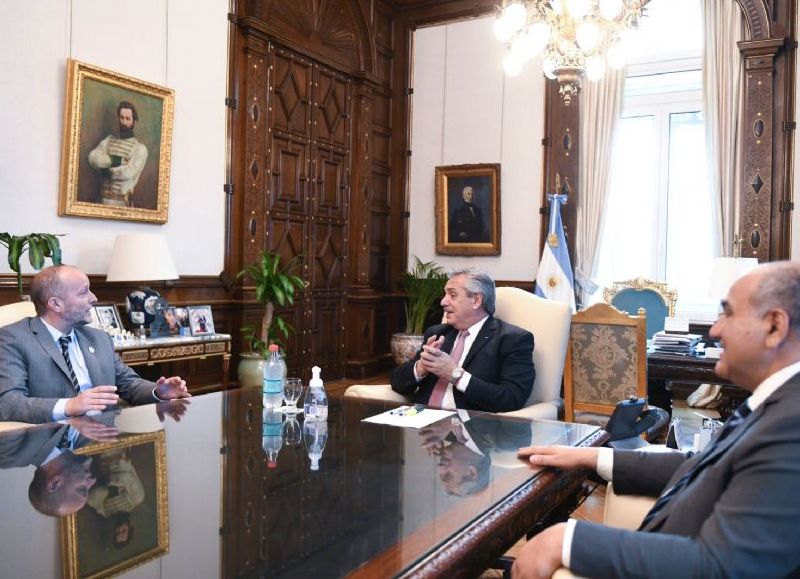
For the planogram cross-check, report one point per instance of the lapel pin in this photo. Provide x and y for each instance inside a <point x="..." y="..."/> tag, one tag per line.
<point x="91" y="349"/>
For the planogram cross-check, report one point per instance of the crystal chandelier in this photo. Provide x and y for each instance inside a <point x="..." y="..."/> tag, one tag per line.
<point x="572" y="34"/>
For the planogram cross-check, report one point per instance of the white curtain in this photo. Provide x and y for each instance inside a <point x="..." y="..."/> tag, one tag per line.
<point x="601" y="107"/>
<point x="723" y="27"/>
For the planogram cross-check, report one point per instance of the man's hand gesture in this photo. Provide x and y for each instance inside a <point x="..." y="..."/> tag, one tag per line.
<point x="97" y="398"/>
<point x="171" y="388"/>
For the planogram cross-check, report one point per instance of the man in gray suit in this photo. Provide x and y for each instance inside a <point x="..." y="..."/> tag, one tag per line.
<point x="53" y="366"/>
<point x="729" y="511"/>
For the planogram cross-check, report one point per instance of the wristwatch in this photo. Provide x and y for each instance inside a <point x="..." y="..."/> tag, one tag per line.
<point x="456" y="375"/>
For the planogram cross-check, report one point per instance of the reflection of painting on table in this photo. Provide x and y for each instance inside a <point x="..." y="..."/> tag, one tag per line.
<point x="125" y="521"/>
<point x="117" y="138"/>
<point x="200" y="320"/>
<point x="468" y="209"/>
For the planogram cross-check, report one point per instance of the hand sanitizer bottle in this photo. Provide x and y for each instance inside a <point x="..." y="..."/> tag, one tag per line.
<point x="315" y="435"/>
<point x="315" y="404"/>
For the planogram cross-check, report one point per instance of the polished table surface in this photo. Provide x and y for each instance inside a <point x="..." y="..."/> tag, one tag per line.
<point x="197" y="488"/>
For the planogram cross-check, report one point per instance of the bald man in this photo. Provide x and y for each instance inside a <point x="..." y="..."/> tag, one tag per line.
<point x="54" y="366"/>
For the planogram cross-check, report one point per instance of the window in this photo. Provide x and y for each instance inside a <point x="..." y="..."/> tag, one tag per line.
<point x="659" y="215"/>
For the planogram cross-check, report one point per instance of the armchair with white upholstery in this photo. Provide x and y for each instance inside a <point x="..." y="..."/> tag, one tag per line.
<point x="549" y="322"/>
<point x="8" y="315"/>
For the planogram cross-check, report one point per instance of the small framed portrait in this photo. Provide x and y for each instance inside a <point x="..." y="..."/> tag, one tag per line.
<point x="201" y="323"/>
<point x="115" y="159"/>
<point x="125" y="521"/>
<point x="468" y="209"/>
<point x="107" y="316"/>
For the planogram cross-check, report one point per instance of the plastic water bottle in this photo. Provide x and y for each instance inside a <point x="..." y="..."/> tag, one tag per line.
<point x="315" y="404"/>
<point x="274" y="375"/>
<point x="315" y="435"/>
<point x="272" y="435"/>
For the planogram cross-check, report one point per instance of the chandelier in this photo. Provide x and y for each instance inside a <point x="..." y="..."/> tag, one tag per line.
<point x="572" y="34"/>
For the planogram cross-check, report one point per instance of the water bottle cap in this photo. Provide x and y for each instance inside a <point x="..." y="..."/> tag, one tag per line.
<point x="274" y="348"/>
<point x="272" y="464"/>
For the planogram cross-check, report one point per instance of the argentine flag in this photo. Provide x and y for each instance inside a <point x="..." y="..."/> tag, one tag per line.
<point x="554" y="278"/>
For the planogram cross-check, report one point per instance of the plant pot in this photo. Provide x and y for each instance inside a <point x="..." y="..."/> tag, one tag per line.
<point x="404" y="346"/>
<point x="251" y="369"/>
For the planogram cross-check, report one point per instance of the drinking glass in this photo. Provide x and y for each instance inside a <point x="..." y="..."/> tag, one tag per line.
<point x="292" y="389"/>
<point x="292" y="431"/>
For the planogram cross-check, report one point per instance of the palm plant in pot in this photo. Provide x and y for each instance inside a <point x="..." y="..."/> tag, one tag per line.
<point x="38" y="245"/>
<point x="275" y="285"/>
<point x="424" y="287"/>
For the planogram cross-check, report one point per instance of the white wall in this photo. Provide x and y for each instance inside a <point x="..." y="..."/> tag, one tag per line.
<point x="466" y="111"/>
<point x="174" y="43"/>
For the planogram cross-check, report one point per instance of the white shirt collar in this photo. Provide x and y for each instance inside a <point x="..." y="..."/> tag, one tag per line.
<point x="55" y="332"/>
<point x="771" y="384"/>
<point x="476" y="327"/>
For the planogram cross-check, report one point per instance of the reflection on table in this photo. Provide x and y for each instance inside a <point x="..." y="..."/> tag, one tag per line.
<point x="233" y="490"/>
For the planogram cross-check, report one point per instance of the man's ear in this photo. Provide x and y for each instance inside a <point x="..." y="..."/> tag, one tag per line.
<point x="477" y="301"/>
<point x="54" y="304"/>
<point x="779" y="327"/>
<point x="54" y="483"/>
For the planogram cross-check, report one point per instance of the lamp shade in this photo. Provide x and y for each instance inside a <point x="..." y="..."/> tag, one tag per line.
<point x="726" y="271"/>
<point x="141" y="257"/>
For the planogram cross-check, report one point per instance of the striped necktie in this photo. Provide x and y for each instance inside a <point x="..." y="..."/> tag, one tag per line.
<point x="739" y="416"/>
<point x="64" y="341"/>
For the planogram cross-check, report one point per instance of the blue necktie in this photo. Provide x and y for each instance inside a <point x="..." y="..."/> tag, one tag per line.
<point x="64" y="341"/>
<point x="739" y="416"/>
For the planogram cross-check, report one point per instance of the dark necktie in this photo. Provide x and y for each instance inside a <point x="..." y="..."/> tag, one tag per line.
<point x="440" y="389"/>
<point x="739" y="416"/>
<point x="64" y="341"/>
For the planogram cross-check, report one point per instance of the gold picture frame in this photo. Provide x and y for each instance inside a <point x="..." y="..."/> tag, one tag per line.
<point x="111" y="171"/>
<point x="90" y="538"/>
<point x="468" y="209"/>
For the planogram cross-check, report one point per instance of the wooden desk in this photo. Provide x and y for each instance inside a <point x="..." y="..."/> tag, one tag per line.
<point x="157" y="350"/>
<point x="694" y="370"/>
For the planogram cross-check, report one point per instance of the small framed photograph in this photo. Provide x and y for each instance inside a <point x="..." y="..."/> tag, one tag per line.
<point x="115" y="160"/>
<point x="201" y="322"/>
<point x="125" y="521"/>
<point x="177" y="320"/>
<point x="468" y="209"/>
<point x="107" y="317"/>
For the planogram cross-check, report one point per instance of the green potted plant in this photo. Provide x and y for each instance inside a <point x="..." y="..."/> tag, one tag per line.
<point x="38" y="245"/>
<point x="275" y="285"/>
<point x="424" y="287"/>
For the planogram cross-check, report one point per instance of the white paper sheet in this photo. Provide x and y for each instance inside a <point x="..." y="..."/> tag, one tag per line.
<point x="422" y="418"/>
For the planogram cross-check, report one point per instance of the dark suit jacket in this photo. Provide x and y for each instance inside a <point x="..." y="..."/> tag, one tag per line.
<point x="34" y="375"/>
<point x="500" y="362"/>
<point x="738" y="517"/>
<point x="29" y="445"/>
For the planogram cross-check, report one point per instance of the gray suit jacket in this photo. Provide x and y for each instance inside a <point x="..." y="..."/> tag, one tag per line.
<point x="738" y="517"/>
<point x="34" y="375"/>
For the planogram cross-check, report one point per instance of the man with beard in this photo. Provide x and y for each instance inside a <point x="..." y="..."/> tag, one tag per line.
<point x="54" y="366"/>
<point x="120" y="159"/>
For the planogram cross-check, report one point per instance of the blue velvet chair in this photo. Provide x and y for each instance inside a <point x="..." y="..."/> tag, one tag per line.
<point x="655" y="297"/>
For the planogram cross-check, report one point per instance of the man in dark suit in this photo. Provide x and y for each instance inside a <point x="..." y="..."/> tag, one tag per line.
<point x="54" y="366"/>
<point x="474" y="361"/>
<point x="466" y="222"/>
<point x="729" y="511"/>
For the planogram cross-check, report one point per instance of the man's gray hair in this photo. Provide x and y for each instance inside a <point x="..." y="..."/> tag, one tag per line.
<point x="779" y="288"/>
<point x="479" y="281"/>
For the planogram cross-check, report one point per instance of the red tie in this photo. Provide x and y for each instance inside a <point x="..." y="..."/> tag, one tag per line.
<point x="441" y="385"/>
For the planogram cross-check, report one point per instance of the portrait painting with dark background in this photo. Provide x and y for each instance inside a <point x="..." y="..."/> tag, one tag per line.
<point x="99" y="119"/>
<point x="481" y="198"/>
<point x="96" y="550"/>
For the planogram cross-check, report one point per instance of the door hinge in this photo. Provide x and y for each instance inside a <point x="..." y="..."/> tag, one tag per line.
<point x="786" y="206"/>
<point x="231" y="102"/>
<point x="228" y="189"/>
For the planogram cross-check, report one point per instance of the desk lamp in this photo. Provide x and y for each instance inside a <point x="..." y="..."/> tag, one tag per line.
<point x="141" y="257"/>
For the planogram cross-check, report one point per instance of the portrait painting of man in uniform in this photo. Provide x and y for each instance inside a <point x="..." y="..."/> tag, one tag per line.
<point x="468" y="209"/>
<point x="116" y="153"/>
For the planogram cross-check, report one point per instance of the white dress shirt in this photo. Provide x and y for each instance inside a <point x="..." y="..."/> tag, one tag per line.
<point x="78" y="365"/>
<point x="605" y="456"/>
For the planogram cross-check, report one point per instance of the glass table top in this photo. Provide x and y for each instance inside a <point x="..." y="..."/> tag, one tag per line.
<point x="222" y="487"/>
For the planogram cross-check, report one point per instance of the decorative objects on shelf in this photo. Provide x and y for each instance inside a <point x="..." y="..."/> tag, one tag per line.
<point x="115" y="161"/>
<point x="424" y="287"/>
<point x="141" y="257"/>
<point x="38" y="245"/>
<point x="572" y="34"/>
<point x="201" y="321"/>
